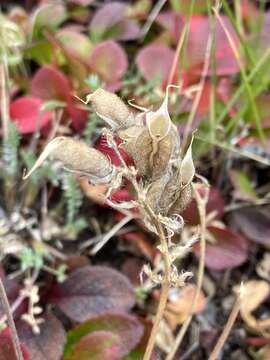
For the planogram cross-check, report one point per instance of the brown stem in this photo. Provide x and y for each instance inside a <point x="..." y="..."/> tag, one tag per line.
<point x="164" y="292"/>
<point x="11" y="324"/>
<point x="226" y="331"/>
<point x="201" y="204"/>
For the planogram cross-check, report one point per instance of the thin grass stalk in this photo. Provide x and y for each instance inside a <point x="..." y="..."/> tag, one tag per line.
<point x="245" y="79"/>
<point x="241" y="88"/>
<point x="199" y="92"/>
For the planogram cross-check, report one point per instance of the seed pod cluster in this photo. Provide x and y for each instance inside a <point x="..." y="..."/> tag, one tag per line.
<point x="154" y="145"/>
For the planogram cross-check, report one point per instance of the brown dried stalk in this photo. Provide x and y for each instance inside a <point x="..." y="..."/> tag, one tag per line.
<point x="11" y="324"/>
<point x="228" y="327"/>
<point x="164" y="290"/>
<point x="201" y="204"/>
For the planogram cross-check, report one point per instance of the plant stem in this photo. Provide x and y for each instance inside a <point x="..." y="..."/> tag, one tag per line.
<point x="11" y="324"/>
<point x="164" y="290"/>
<point x="225" y="333"/>
<point x="201" y="204"/>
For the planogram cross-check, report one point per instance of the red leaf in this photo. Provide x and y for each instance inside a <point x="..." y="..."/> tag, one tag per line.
<point x="78" y="116"/>
<point x="120" y="333"/>
<point x="6" y="347"/>
<point x="49" y="83"/>
<point x="215" y="204"/>
<point x="27" y="114"/>
<point x="93" y="290"/>
<point x="172" y="21"/>
<point x="49" y="344"/>
<point x="155" y="61"/>
<point x="253" y="223"/>
<point x="113" y="17"/>
<point x="103" y="146"/>
<point x="109" y="61"/>
<point x="226" y="63"/>
<point x="230" y="249"/>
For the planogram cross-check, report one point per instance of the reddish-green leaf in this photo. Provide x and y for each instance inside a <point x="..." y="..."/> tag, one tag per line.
<point x="111" y="21"/>
<point x="27" y="114"/>
<point x="93" y="290"/>
<point x="76" y="43"/>
<point x="118" y="334"/>
<point x="214" y="205"/>
<point x="230" y="249"/>
<point x="7" y="349"/>
<point x="49" y="344"/>
<point x="254" y="223"/>
<point x="155" y="61"/>
<point x="109" y="61"/>
<point x="50" y="83"/>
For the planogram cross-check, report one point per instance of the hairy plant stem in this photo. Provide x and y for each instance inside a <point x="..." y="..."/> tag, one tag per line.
<point x="10" y="321"/>
<point x="201" y="204"/>
<point x="165" y="286"/>
<point x="165" y="254"/>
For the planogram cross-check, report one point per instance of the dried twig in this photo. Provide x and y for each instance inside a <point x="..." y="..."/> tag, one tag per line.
<point x="227" y="329"/>
<point x="11" y="324"/>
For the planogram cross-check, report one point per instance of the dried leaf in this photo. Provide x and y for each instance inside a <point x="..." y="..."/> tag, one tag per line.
<point x="91" y="291"/>
<point x="255" y="293"/>
<point x="120" y="333"/>
<point x="179" y="306"/>
<point x="49" y="344"/>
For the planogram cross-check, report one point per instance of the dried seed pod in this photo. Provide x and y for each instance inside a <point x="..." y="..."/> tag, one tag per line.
<point x="78" y="158"/>
<point x="171" y="191"/>
<point x="184" y="198"/>
<point x="187" y="168"/>
<point x="111" y="108"/>
<point x="155" y="191"/>
<point x="129" y="137"/>
<point x="151" y="158"/>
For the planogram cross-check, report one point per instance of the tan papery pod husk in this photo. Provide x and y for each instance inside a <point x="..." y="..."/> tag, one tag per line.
<point x="155" y="191"/>
<point x="171" y="191"/>
<point x="77" y="157"/>
<point x="152" y="157"/>
<point x="183" y="200"/>
<point x="111" y="108"/>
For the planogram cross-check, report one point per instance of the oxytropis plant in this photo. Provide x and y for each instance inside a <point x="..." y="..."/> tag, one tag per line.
<point x="161" y="176"/>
